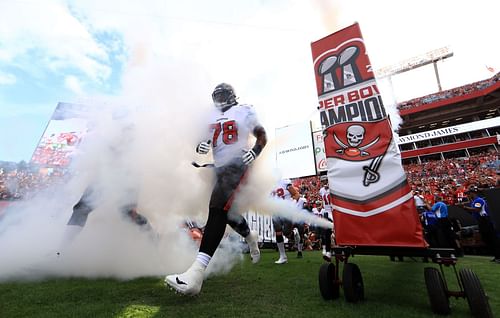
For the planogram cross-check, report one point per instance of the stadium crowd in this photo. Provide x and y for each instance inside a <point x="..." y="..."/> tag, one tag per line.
<point x="448" y="178"/>
<point x="20" y="184"/>
<point x="457" y="91"/>
<point x="309" y="188"/>
<point x="438" y="182"/>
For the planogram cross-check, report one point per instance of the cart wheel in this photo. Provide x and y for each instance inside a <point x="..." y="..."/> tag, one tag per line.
<point x="352" y="281"/>
<point x="328" y="288"/>
<point x="476" y="297"/>
<point x="437" y="291"/>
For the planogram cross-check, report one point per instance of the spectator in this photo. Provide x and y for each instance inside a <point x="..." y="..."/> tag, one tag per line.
<point x="22" y="184"/>
<point x="479" y="209"/>
<point x="446" y="234"/>
<point x="431" y="228"/>
<point x="428" y="198"/>
<point x="419" y="201"/>
<point x="449" y="177"/>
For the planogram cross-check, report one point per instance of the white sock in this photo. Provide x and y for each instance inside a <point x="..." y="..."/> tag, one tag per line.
<point x="203" y="259"/>
<point x="296" y="237"/>
<point x="300" y="247"/>
<point x="281" y="248"/>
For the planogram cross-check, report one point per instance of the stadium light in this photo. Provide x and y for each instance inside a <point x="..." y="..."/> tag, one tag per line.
<point x="415" y="62"/>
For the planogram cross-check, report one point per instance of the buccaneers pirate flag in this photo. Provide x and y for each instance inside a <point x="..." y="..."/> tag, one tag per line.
<point x="372" y="201"/>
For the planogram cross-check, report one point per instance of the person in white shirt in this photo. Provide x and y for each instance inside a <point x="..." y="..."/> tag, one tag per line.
<point x="419" y="202"/>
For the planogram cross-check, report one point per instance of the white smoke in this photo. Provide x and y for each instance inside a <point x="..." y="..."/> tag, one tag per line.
<point x="140" y="153"/>
<point x="144" y="154"/>
<point x="138" y="157"/>
<point x="255" y="196"/>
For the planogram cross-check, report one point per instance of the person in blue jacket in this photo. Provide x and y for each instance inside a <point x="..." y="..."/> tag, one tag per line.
<point x="479" y="209"/>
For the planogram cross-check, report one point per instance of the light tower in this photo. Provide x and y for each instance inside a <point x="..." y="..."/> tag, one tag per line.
<point x="433" y="57"/>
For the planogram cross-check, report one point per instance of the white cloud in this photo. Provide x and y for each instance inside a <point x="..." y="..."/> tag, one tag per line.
<point x="74" y="84"/>
<point x="36" y="36"/>
<point x="7" y="79"/>
<point x="263" y="50"/>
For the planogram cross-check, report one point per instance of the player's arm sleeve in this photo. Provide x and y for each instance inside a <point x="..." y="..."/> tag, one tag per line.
<point x="260" y="133"/>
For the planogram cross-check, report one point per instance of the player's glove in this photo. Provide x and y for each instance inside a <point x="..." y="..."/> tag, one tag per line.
<point x="250" y="155"/>
<point x="203" y="147"/>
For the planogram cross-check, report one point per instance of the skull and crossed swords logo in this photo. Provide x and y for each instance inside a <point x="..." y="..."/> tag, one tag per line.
<point x="355" y="136"/>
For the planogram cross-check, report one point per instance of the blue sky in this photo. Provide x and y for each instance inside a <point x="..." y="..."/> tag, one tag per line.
<point x="30" y="97"/>
<point x="36" y="74"/>
<point x="70" y="51"/>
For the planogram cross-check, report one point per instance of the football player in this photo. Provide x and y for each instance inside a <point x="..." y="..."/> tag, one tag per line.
<point x="326" y="198"/>
<point x="230" y="127"/>
<point x="286" y="191"/>
<point x="92" y="197"/>
<point x="299" y="228"/>
<point x="85" y="206"/>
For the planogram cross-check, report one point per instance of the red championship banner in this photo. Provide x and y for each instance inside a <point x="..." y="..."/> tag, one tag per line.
<point x="373" y="203"/>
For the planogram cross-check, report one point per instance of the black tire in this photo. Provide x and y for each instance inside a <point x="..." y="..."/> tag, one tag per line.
<point x="328" y="288"/>
<point x="476" y="297"/>
<point x="437" y="291"/>
<point x="352" y="281"/>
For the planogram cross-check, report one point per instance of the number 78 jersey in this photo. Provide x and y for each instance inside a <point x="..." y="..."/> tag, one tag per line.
<point x="230" y="132"/>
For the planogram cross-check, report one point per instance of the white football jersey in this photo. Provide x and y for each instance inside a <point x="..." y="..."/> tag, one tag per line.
<point x="230" y="131"/>
<point x="281" y="190"/>
<point x="300" y="202"/>
<point x="326" y="198"/>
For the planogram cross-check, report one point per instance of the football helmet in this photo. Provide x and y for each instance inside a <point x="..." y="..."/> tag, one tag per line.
<point x="223" y="96"/>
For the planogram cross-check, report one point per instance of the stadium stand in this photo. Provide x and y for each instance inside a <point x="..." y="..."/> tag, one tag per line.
<point x="442" y="152"/>
<point x="445" y="96"/>
<point x="21" y="184"/>
<point x="449" y="142"/>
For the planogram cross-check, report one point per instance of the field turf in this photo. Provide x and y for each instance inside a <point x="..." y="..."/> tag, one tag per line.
<point x="392" y="289"/>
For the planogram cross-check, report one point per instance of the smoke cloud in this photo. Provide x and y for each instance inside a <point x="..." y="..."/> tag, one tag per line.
<point x="139" y="149"/>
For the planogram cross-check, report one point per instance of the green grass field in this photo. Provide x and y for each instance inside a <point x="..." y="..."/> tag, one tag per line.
<point x="392" y="289"/>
